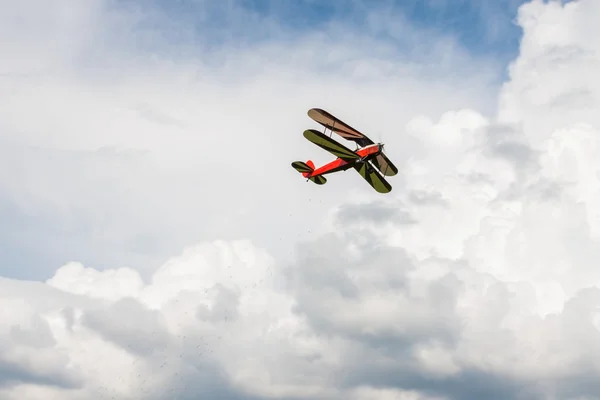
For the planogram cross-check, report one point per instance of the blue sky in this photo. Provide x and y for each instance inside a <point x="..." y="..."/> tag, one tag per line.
<point x="483" y="27"/>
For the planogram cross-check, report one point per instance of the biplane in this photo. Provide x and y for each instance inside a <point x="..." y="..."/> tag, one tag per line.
<point x="368" y="159"/>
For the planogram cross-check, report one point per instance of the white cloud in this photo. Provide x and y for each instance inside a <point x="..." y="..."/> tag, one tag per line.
<point x="476" y="278"/>
<point x="125" y="153"/>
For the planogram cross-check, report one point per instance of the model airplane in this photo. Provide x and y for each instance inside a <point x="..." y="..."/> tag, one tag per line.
<point x="368" y="158"/>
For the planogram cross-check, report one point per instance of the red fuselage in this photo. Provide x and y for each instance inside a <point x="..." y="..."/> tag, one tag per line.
<point x="366" y="153"/>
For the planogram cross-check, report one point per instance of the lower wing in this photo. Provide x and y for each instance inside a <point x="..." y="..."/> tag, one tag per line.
<point x="373" y="177"/>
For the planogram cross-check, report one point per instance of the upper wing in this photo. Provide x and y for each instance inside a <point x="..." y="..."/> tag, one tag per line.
<point x="384" y="165"/>
<point x="338" y="126"/>
<point x="327" y="143"/>
<point x="373" y="177"/>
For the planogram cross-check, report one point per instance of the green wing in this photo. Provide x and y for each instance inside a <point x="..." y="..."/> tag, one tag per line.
<point x="373" y="177"/>
<point x="319" y="179"/>
<point x="327" y="143"/>
<point x="301" y="166"/>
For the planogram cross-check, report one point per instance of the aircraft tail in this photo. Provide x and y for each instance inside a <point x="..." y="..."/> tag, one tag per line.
<point x="306" y="168"/>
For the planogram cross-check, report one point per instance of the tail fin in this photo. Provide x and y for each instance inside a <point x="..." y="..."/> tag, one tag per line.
<point x="305" y="168"/>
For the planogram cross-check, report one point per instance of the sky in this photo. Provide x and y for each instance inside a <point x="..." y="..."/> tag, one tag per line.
<point x="156" y="243"/>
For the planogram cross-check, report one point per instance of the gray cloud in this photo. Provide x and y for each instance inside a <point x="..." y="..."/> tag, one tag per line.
<point x="143" y="336"/>
<point x="15" y="373"/>
<point x="334" y="291"/>
<point x="427" y="198"/>
<point x="225" y="306"/>
<point x="509" y="143"/>
<point x="376" y="212"/>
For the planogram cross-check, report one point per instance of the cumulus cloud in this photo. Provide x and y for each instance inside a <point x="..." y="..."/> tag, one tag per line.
<point x="475" y="278"/>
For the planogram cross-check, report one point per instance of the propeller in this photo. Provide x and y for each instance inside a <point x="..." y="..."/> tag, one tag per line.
<point x="380" y="140"/>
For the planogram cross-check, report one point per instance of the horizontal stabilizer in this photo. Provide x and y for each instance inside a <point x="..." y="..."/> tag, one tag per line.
<point x="302" y="167"/>
<point x="319" y="179"/>
<point x="305" y="168"/>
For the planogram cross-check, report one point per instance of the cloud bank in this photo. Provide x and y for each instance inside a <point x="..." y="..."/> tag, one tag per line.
<point x="475" y="279"/>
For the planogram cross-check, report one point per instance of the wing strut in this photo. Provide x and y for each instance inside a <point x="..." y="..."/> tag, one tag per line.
<point x="373" y="177"/>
